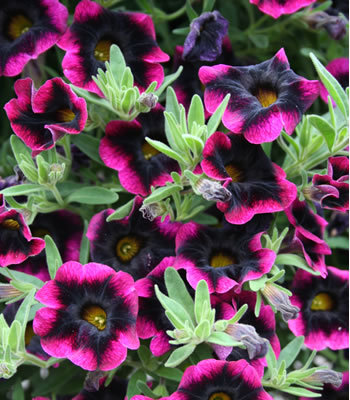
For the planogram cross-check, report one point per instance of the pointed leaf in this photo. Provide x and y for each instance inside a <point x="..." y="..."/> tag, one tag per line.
<point x="163" y="148"/>
<point x="53" y="257"/>
<point x="179" y="355"/>
<point x="202" y="298"/>
<point x="291" y="351"/>
<point x="121" y="212"/>
<point x="215" y="119"/>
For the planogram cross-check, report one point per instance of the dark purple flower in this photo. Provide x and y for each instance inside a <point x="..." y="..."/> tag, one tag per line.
<point x="116" y="390"/>
<point x="339" y="68"/>
<point x="224" y="257"/>
<point x="276" y="8"/>
<point x="324" y="309"/>
<point x="265" y="98"/>
<point x="139" y="165"/>
<point x="90" y="316"/>
<point x="41" y="117"/>
<point x="204" y="41"/>
<point x="27" y="30"/>
<point x="132" y="244"/>
<point x="16" y="241"/>
<point x="93" y="32"/>
<point x="257" y="185"/>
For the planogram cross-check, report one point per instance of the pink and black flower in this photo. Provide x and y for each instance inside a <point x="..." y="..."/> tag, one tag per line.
<point x="257" y="185"/>
<point x="27" y="30"/>
<point x="115" y="390"/>
<point x="265" y="98"/>
<point x="41" y="117"/>
<point x="276" y="8"/>
<point x="324" y="309"/>
<point x="332" y="190"/>
<point x="204" y="41"/>
<point x="220" y="380"/>
<point x="93" y="32"/>
<point x="66" y="230"/>
<point x="133" y="244"/>
<point x="152" y="321"/>
<point x="339" y="68"/>
<point x="139" y="165"/>
<point x="224" y="257"/>
<point x="308" y="235"/>
<point x="90" y="316"/>
<point x="16" y="241"/>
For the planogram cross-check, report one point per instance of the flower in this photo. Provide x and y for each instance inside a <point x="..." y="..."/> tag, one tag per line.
<point x="224" y="257"/>
<point x="276" y="8"/>
<point x="204" y="41"/>
<point x="308" y="235"/>
<point x="16" y="241"/>
<point x="93" y="32"/>
<point x="257" y="185"/>
<point x="90" y="316"/>
<point x="331" y="190"/>
<point x="339" y="68"/>
<point x="265" y="98"/>
<point x="116" y="389"/>
<point x="133" y="244"/>
<point x="41" y="117"/>
<point x="139" y="165"/>
<point x="28" y="30"/>
<point x="324" y="309"/>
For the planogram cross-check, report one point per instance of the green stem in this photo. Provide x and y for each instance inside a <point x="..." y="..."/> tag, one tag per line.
<point x="175" y="14"/>
<point x="57" y="195"/>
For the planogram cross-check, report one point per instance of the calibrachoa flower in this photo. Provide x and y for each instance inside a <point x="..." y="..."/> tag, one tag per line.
<point x="16" y="241"/>
<point x="139" y="165"/>
<point x="257" y="185"/>
<point x="276" y="8"/>
<point x="151" y="320"/>
<point x="265" y="98"/>
<point x="308" y="236"/>
<point x="93" y="32"/>
<point x="324" y="309"/>
<point x="133" y="244"/>
<point x="41" y="117"/>
<point x="28" y="28"/>
<point x="220" y="380"/>
<point x="66" y="230"/>
<point x="116" y="390"/>
<point x="204" y="41"/>
<point x="339" y="68"/>
<point x="90" y="316"/>
<point x="331" y="190"/>
<point x="224" y="257"/>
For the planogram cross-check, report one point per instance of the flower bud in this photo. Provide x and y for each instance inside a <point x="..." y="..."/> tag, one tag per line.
<point x="281" y="301"/>
<point x="325" y="376"/>
<point x="213" y="191"/>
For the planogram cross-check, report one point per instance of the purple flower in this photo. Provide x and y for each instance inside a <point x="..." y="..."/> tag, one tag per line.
<point x="90" y="316"/>
<point x="265" y="98"/>
<point x="204" y="41"/>
<point x="276" y="8"/>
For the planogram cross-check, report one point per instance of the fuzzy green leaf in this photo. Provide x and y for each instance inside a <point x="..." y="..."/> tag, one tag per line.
<point x="121" y="212"/>
<point x="163" y="148"/>
<point x="202" y="300"/>
<point x="132" y="389"/>
<point x="53" y="257"/>
<point x="222" y="339"/>
<point x="173" y="374"/>
<point x="326" y="129"/>
<point x="116" y="62"/>
<point x="297" y="391"/>
<point x="19" y="190"/>
<point x="215" y="119"/>
<point x="296" y="261"/>
<point x="179" y="355"/>
<point x="291" y="351"/>
<point x="195" y="112"/>
<point x="93" y="195"/>
<point x="161" y="193"/>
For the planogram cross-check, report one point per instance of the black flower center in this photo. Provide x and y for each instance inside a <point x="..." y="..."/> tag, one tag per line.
<point x="266" y="97"/>
<point x="234" y="173"/>
<point x="322" y="302"/>
<point x="127" y="248"/>
<point x="219" y="396"/>
<point x="221" y="258"/>
<point x="101" y="51"/>
<point x="96" y="316"/>
<point x="11" y="224"/>
<point x="18" y="25"/>
<point x="65" y="115"/>
<point x="40" y="232"/>
<point x="148" y="151"/>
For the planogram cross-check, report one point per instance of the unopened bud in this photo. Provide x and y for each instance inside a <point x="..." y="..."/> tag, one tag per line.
<point x="92" y="380"/>
<point x="280" y="300"/>
<point x="325" y="376"/>
<point x="7" y="291"/>
<point x="335" y="26"/>
<point x="256" y="346"/>
<point x="213" y="191"/>
<point x="151" y="211"/>
<point x="149" y="100"/>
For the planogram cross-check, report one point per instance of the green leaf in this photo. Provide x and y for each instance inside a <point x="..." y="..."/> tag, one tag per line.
<point x="271" y="358"/>
<point x="297" y="391"/>
<point x="260" y="41"/>
<point x="257" y="304"/>
<point x="202" y="331"/>
<point x="161" y="193"/>
<point x="191" y="13"/>
<point x="128" y="100"/>
<point x="291" y="141"/>
<point x="116" y="62"/>
<point x="93" y="195"/>
<point x="22" y="277"/>
<point x="19" y="190"/>
<point x="223" y="339"/>
<point x="195" y="144"/>
<point x="291" y="351"/>
<point x="173" y="374"/>
<point x="304" y="133"/>
<point x="257" y="284"/>
<point x="22" y="315"/>
<point x="208" y="5"/>
<point x="163" y="148"/>
<point x="168" y="80"/>
<point x="215" y="119"/>
<point x="295" y="261"/>
<point x="326" y="130"/>
<point x="239" y="314"/>
<point x="14" y="336"/>
<point x="333" y="86"/>
<point x="121" y="212"/>
<point x="195" y="112"/>
<point x="21" y="151"/>
<point x="53" y="257"/>
<point x="18" y="392"/>
<point x="30" y="172"/>
<point x="144" y="355"/>
<point x="338" y="242"/>
<point x="84" y="246"/>
<point x="132" y="389"/>
<point x="181" y="31"/>
<point x="179" y="355"/>
<point x="142" y="386"/>
<point x="88" y="145"/>
<point x="177" y="290"/>
<point x="175" y="132"/>
<point x="202" y="300"/>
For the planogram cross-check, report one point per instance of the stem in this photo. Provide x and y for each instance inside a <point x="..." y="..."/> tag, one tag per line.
<point x="175" y="14"/>
<point x="57" y="195"/>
